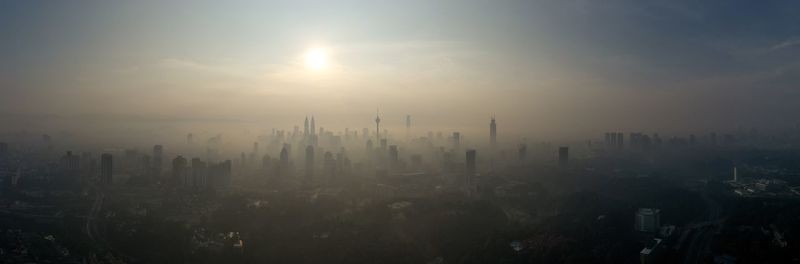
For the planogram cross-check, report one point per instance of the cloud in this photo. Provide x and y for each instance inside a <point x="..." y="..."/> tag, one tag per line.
<point x="785" y="44"/>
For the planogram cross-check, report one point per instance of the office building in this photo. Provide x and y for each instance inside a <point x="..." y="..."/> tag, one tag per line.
<point x="180" y="176"/>
<point x="648" y="220"/>
<point x="106" y="168"/>
<point x="493" y="134"/>
<point x="563" y="156"/>
<point x="309" y="170"/>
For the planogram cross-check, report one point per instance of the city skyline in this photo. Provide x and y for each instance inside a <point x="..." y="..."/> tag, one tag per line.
<point x="163" y="68"/>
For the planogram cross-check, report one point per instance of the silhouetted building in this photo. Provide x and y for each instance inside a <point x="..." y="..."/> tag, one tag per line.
<point x="522" y="152"/>
<point x="648" y="220"/>
<point x="106" y="168"/>
<point x="3" y="149"/>
<point x="329" y="167"/>
<point x="369" y="150"/>
<point x="158" y="159"/>
<point x="283" y="166"/>
<point x="378" y="127"/>
<point x="408" y="125"/>
<point x="199" y="173"/>
<point x="456" y="140"/>
<point x="70" y="170"/>
<point x="493" y="134"/>
<point x="471" y="168"/>
<point x="179" y="173"/>
<point x="305" y="128"/>
<point x="313" y="128"/>
<point x="219" y="175"/>
<point x="713" y="139"/>
<point x="393" y="157"/>
<point x="563" y="156"/>
<point x="309" y="164"/>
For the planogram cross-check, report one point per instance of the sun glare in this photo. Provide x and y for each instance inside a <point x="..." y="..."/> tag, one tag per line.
<point x="316" y="58"/>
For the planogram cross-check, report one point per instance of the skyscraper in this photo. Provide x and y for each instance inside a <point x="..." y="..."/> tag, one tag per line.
<point x="106" y="162"/>
<point x="309" y="163"/>
<point x="393" y="157"/>
<point x="313" y="126"/>
<point x="305" y="127"/>
<point x="522" y="152"/>
<point x="283" y="166"/>
<point x="456" y="140"/>
<point x="471" y="169"/>
<point x="493" y="134"/>
<point x="408" y="127"/>
<point x="158" y="157"/>
<point x="329" y="167"/>
<point x="378" y="126"/>
<point x="199" y="173"/>
<point x="563" y="156"/>
<point x="179" y="173"/>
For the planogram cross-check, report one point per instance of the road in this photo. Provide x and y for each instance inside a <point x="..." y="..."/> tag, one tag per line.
<point x="91" y="223"/>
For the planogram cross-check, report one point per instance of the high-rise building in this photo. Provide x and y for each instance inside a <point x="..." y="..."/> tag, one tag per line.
<point x="384" y="145"/>
<point x="283" y="166"/>
<point x="305" y="127"/>
<point x="313" y="128"/>
<point x="456" y="140"/>
<point x="493" y="134"/>
<point x="713" y="139"/>
<point x="329" y="167"/>
<point x="563" y="156"/>
<point x="620" y="140"/>
<point x="106" y="169"/>
<point x="199" y="173"/>
<point x="3" y="149"/>
<point x="219" y="175"/>
<point x="408" y="126"/>
<point x="368" y="151"/>
<point x="179" y="174"/>
<point x="393" y="157"/>
<point x="309" y="163"/>
<point x="378" y="127"/>
<point x="471" y="168"/>
<point x="648" y="220"/>
<point x="522" y="152"/>
<point x="158" y="158"/>
<point x="70" y="169"/>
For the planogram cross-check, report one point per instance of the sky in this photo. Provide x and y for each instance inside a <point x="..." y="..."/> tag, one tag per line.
<point x="545" y="69"/>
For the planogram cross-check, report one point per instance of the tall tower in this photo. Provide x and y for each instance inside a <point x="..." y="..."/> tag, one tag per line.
<point x="313" y="126"/>
<point x="309" y="164"/>
<point x="563" y="156"/>
<point x="408" y="126"/>
<point x="158" y="159"/>
<point x="106" y="170"/>
<point x="493" y="134"/>
<point x="305" y="128"/>
<point x="471" y="157"/>
<point x="378" y="125"/>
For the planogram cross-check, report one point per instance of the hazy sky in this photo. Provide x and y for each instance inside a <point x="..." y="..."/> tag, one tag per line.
<point x="544" y="68"/>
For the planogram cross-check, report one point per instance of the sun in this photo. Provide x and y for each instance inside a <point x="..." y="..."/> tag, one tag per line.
<point x="316" y="58"/>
